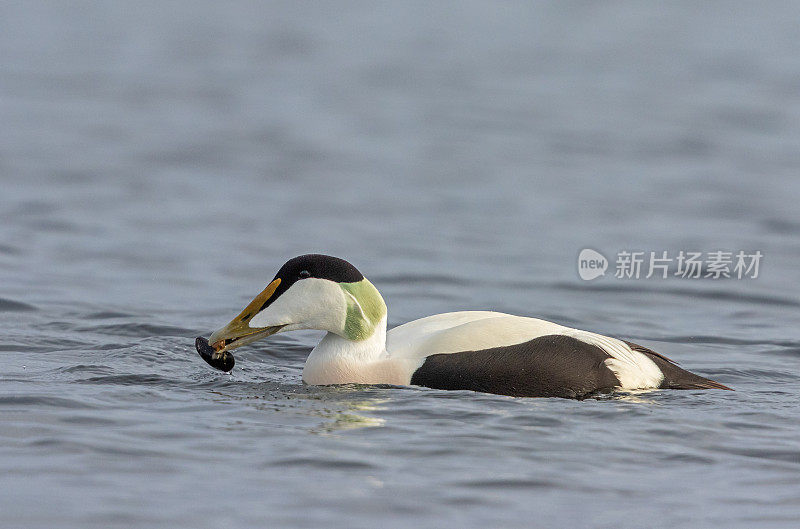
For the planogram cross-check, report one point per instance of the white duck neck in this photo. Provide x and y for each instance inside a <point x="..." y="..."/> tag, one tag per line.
<point x="338" y="360"/>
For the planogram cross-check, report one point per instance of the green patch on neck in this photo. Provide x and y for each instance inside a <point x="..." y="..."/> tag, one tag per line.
<point x="365" y="308"/>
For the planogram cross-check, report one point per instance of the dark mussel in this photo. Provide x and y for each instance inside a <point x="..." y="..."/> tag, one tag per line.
<point x="223" y="361"/>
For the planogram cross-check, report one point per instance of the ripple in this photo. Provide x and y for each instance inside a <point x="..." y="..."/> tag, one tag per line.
<point x="787" y="351"/>
<point x="140" y="330"/>
<point x="758" y="427"/>
<point x="28" y="401"/>
<point x="531" y="421"/>
<point x="9" y="250"/>
<point x="687" y="458"/>
<point x="130" y="380"/>
<point x="9" y="305"/>
<point x="89" y="420"/>
<point x="773" y="454"/>
<point x="112" y="346"/>
<point x="280" y="348"/>
<point x="97" y="369"/>
<point x="754" y="373"/>
<point x="510" y="483"/>
<point x="324" y="464"/>
<point x="107" y="315"/>
<point x="780" y="226"/>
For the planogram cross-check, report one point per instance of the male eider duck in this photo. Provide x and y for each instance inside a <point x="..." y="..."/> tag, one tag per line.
<point x="481" y="351"/>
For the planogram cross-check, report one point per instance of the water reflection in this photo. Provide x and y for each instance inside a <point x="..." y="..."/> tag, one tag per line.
<point x="346" y="407"/>
<point x="342" y="407"/>
<point x="634" y="396"/>
<point x="339" y="420"/>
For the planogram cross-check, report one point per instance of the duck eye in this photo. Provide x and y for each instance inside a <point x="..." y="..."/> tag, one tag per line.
<point x="304" y="274"/>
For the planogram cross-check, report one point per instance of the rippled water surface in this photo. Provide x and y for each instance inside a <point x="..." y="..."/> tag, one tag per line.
<point x="159" y="162"/>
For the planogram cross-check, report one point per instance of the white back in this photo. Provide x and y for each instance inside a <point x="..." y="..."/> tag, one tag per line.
<point x="475" y="330"/>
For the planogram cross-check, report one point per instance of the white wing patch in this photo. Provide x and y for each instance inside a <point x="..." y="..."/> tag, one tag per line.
<point x="633" y="369"/>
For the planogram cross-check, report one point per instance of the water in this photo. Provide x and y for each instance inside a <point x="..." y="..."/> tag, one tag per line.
<point x="160" y="162"/>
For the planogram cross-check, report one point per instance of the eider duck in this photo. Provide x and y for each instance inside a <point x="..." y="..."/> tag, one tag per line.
<point x="481" y="351"/>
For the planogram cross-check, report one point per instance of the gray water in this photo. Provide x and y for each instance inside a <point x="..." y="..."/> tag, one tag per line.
<point x="159" y="162"/>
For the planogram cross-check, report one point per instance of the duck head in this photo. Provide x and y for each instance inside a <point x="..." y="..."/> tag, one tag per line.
<point x="309" y="292"/>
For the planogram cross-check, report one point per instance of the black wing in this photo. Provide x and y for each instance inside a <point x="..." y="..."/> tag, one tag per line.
<point x="548" y="366"/>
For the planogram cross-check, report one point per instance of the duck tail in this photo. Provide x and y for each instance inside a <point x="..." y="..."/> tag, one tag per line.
<point x="676" y="377"/>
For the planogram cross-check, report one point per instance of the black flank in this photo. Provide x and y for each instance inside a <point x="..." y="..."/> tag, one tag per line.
<point x="548" y="366"/>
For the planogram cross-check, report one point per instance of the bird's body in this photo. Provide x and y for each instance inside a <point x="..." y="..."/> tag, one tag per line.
<point x="473" y="350"/>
